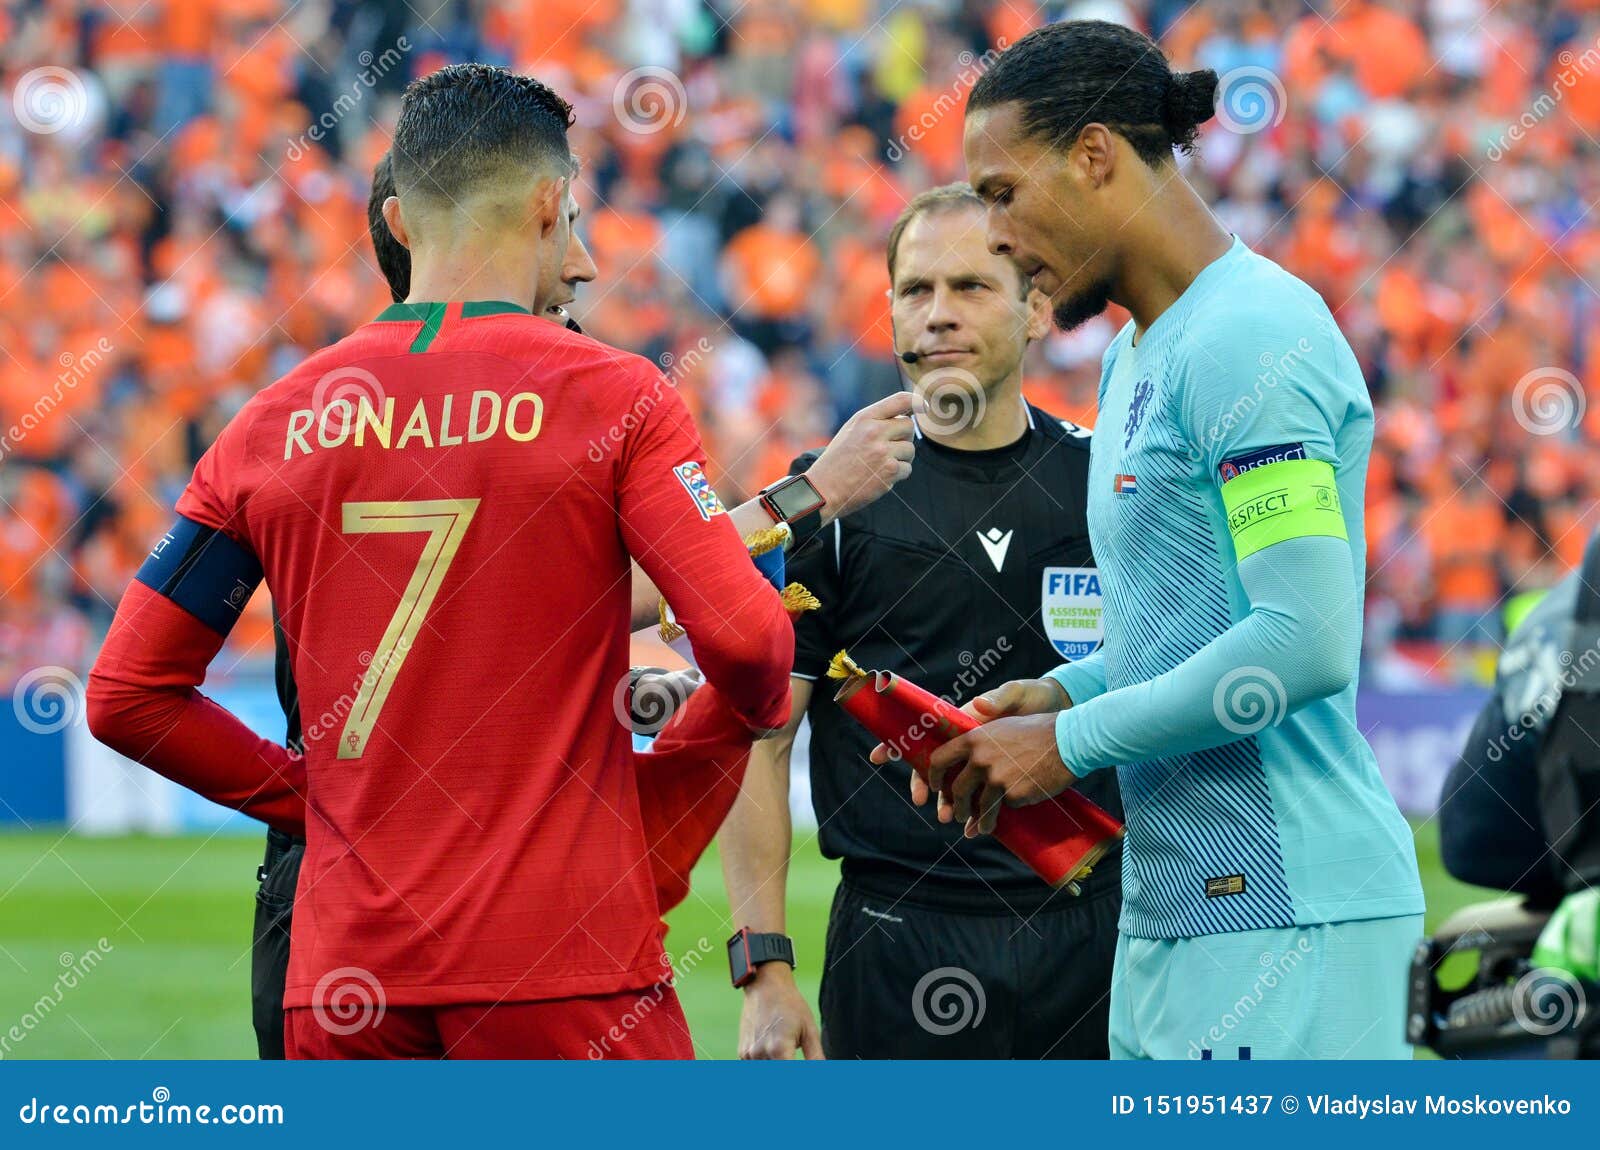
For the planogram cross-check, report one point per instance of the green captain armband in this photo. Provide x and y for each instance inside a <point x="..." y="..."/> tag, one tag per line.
<point x="1284" y="500"/>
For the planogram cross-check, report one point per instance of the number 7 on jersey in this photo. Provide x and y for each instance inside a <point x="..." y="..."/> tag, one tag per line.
<point x="446" y="522"/>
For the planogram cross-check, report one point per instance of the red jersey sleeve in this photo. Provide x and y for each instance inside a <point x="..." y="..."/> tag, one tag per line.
<point x="677" y="530"/>
<point x="143" y="703"/>
<point x="170" y="624"/>
<point x="215" y="495"/>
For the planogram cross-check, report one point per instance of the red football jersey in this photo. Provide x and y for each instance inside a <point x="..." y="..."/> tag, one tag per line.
<point x="444" y="505"/>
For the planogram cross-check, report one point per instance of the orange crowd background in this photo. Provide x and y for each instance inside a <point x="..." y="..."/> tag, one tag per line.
<point x="183" y="185"/>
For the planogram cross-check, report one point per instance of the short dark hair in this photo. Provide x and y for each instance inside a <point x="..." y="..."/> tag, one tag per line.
<point x="1080" y="72"/>
<point x="394" y="261"/>
<point x="467" y="123"/>
<point x="945" y="198"/>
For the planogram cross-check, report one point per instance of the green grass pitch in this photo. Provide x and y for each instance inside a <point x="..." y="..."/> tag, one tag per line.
<point x="175" y="915"/>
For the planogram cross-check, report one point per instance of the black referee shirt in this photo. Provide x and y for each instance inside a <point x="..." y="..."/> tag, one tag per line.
<point x="946" y="580"/>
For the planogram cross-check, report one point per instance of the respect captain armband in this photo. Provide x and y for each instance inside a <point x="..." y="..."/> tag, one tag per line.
<point x="204" y="571"/>
<point x="1288" y="499"/>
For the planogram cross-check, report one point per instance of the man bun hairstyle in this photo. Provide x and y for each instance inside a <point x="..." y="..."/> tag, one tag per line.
<point x="1069" y="75"/>
<point x="1190" y="101"/>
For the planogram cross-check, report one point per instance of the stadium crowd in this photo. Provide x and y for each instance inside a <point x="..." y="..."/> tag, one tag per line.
<point x="182" y="217"/>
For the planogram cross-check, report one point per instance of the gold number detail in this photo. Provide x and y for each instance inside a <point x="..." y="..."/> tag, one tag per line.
<point x="446" y="522"/>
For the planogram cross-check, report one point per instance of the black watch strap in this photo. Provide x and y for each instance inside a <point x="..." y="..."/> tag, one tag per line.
<point x="804" y="530"/>
<point x="747" y="950"/>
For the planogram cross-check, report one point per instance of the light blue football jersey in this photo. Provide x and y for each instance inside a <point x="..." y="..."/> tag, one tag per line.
<point x="1289" y="824"/>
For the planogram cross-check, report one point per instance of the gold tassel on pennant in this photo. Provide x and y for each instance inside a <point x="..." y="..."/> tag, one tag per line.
<point x="797" y="600"/>
<point x="668" y="629"/>
<point x="768" y="539"/>
<point x="842" y="666"/>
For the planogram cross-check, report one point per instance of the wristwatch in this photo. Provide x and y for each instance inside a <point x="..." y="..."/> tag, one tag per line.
<point x="792" y="499"/>
<point x="797" y="502"/>
<point x="748" y="950"/>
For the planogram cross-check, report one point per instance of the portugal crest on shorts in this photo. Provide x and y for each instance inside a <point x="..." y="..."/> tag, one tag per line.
<point x="1073" y="610"/>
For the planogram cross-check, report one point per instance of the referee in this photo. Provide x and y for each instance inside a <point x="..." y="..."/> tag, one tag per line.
<point x="973" y="572"/>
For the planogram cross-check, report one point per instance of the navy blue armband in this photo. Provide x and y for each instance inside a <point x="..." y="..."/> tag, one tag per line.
<point x="204" y="571"/>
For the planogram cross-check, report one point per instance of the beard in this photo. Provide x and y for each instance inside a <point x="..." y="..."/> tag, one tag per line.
<point x="1079" y="309"/>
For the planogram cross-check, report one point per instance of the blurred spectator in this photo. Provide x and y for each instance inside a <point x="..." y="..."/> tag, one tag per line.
<point x="182" y="185"/>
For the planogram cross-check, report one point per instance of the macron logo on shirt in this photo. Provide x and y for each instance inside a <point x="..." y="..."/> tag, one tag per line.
<point x="995" y="545"/>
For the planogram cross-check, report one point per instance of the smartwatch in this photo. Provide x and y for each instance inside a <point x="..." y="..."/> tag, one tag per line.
<point x="792" y="499"/>
<point x="797" y="502"/>
<point x="748" y="950"/>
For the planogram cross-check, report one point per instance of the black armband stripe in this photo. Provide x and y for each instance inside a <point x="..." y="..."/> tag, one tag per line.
<point x="204" y="571"/>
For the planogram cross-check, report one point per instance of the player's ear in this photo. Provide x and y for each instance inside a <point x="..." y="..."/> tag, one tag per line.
<point x="550" y="205"/>
<point x="1095" y="154"/>
<point x="397" y="225"/>
<point x="1039" y="320"/>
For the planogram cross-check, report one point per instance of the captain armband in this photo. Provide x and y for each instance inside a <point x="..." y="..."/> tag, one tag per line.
<point x="204" y="571"/>
<point x="1289" y="499"/>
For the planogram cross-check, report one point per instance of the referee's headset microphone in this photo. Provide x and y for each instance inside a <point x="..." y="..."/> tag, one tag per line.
<point x="894" y="332"/>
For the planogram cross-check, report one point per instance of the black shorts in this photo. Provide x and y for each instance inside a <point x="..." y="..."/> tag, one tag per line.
<point x="269" y="950"/>
<point x="924" y="973"/>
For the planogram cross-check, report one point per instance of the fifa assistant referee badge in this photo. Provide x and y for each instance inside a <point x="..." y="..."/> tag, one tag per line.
<point x="748" y="950"/>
